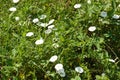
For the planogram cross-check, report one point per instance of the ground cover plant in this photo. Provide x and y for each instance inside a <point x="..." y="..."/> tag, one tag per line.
<point x="59" y="40"/>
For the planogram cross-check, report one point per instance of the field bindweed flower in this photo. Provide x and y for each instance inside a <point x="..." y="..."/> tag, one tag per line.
<point x="43" y="16"/>
<point x="48" y="31"/>
<point x="119" y="5"/>
<point x="40" y="41"/>
<point x="17" y="18"/>
<point x="29" y="34"/>
<point x="35" y="20"/>
<point x="12" y="9"/>
<point x="89" y="1"/>
<point x="76" y="6"/>
<point x="51" y="21"/>
<point x="53" y="58"/>
<point x="115" y="16"/>
<point x="51" y="26"/>
<point x="103" y="74"/>
<point x="92" y="28"/>
<point x="103" y="14"/>
<point x="55" y="45"/>
<point x="58" y="67"/>
<point x="111" y="60"/>
<point x="79" y="69"/>
<point x="15" y="1"/>
<point x="61" y="72"/>
<point x="43" y="24"/>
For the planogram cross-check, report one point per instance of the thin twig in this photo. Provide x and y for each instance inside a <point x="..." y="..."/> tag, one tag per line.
<point x="112" y="51"/>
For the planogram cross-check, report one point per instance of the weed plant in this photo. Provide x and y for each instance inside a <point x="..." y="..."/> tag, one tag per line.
<point x="59" y="39"/>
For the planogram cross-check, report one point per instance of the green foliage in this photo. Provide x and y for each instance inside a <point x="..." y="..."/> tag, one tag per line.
<point x="103" y="77"/>
<point x="76" y="78"/>
<point x="70" y="39"/>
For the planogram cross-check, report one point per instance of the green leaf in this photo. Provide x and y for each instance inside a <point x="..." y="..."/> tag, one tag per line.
<point x="76" y="78"/>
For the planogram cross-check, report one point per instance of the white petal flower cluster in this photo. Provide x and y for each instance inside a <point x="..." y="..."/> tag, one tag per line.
<point x="53" y="58"/>
<point x="58" y="67"/>
<point x="103" y="14"/>
<point x="119" y="5"/>
<point x="79" y="69"/>
<point x="50" y="26"/>
<point x="29" y="34"/>
<point x="60" y="70"/>
<point x="51" y="21"/>
<point x="17" y="18"/>
<point x="115" y="16"/>
<point x="15" y="1"/>
<point x="42" y="24"/>
<point x="40" y="41"/>
<point x="76" y="6"/>
<point x="89" y="1"/>
<point x="92" y="28"/>
<point x="35" y="20"/>
<point x="12" y="9"/>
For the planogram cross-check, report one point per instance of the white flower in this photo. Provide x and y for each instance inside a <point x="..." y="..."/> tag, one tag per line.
<point x="111" y="60"/>
<point x="92" y="28"/>
<point x="58" y="67"/>
<point x="115" y="16"/>
<point x="29" y="34"/>
<point x="17" y="18"/>
<point x="61" y="72"/>
<point x="51" y="21"/>
<point x="53" y="58"/>
<point x="119" y="5"/>
<point x="48" y="31"/>
<point x="15" y="1"/>
<point x="43" y="16"/>
<point x="43" y="24"/>
<point x="35" y="20"/>
<point x="89" y="1"/>
<point x="55" y="45"/>
<point x="79" y="69"/>
<point x="12" y="9"/>
<point x="51" y="26"/>
<point x="103" y="14"/>
<point x="103" y="74"/>
<point x="40" y="41"/>
<point x="76" y="6"/>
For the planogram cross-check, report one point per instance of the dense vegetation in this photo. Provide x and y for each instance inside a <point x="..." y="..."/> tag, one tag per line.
<point x="60" y="40"/>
